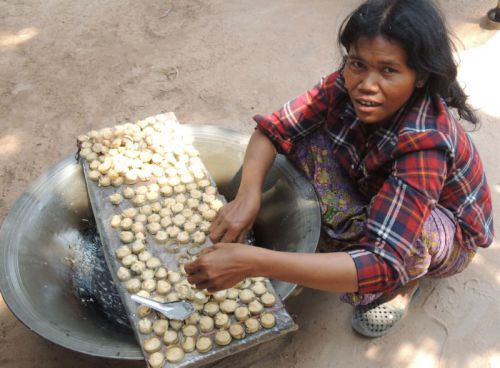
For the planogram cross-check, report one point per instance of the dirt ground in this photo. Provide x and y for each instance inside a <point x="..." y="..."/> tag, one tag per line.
<point x="67" y="67"/>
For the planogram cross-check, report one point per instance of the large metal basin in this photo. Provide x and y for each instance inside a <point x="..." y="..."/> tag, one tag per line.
<point x="52" y="215"/>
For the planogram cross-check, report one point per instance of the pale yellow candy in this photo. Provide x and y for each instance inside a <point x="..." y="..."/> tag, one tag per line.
<point x="153" y="228"/>
<point x="170" y="337"/>
<point x="123" y="274"/>
<point x="131" y="177"/>
<point x="221" y="320"/>
<point x="188" y="344"/>
<point x="156" y="360"/>
<point x="189" y="330"/>
<point x="161" y="237"/>
<point x="160" y="326"/>
<point x="152" y="345"/>
<point x="104" y="181"/>
<point x="206" y="324"/>
<point x="138" y="227"/>
<point x="163" y="287"/>
<point x="138" y="246"/>
<point x="138" y="267"/>
<point x="154" y="218"/>
<point x="94" y="175"/>
<point x="228" y="306"/>
<point x="139" y="200"/>
<point x="203" y="344"/>
<point x="223" y="338"/>
<point x="241" y="313"/>
<point x="252" y="325"/>
<point x="174" y="277"/>
<point x="126" y="237"/>
<point x="174" y="354"/>
<point x="129" y="260"/>
<point x="268" y="320"/>
<point x="130" y="212"/>
<point x="133" y="285"/>
<point x="183" y="237"/>
<point x="147" y="274"/>
<point x="161" y="273"/>
<point x="117" y="182"/>
<point x="268" y="299"/>
<point x="255" y="307"/>
<point x="126" y="223"/>
<point x="122" y="252"/>
<point x="145" y="326"/>
<point x="237" y="331"/>
<point x="211" y="309"/>
<point x="115" y="221"/>
<point x="259" y="288"/>
<point x="153" y="263"/>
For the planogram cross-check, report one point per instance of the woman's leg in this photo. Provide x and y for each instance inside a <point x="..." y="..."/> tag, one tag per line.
<point x="343" y="208"/>
<point x="435" y="254"/>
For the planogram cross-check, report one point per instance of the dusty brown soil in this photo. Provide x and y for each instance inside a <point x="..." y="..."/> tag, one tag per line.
<point x="69" y="67"/>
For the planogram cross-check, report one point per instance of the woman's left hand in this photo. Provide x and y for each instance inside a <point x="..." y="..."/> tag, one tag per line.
<point x="221" y="266"/>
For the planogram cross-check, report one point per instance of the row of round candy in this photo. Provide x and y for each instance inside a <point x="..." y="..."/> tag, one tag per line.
<point x="177" y="345"/>
<point x="246" y="302"/>
<point x="169" y="221"/>
<point x="130" y="153"/>
<point x="173" y="339"/>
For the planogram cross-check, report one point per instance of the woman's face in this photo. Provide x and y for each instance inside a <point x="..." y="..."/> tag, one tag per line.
<point x="378" y="78"/>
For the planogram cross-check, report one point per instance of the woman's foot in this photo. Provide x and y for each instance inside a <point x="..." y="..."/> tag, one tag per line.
<point x="379" y="317"/>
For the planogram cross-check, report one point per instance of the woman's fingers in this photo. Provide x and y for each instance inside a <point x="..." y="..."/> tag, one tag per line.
<point x="234" y="219"/>
<point x="219" y="270"/>
<point x="193" y="267"/>
<point x="196" y="279"/>
<point x="200" y="281"/>
<point x="190" y="268"/>
<point x="206" y="251"/>
<point x="215" y="237"/>
<point x="217" y="230"/>
<point x="230" y="236"/>
<point x="243" y="237"/>
<point x="225" y="233"/>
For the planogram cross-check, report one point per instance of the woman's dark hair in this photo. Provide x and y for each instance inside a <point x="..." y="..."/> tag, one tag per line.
<point x="419" y="27"/>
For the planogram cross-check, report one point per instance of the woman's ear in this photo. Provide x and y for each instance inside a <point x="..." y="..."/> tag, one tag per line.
<point x="421" y="80"/>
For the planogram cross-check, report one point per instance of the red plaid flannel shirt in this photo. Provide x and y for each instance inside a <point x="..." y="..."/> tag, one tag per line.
<point x="419" y="159"/>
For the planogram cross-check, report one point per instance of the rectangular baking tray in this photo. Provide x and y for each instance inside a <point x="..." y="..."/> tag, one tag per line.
<point x="103" y="210"/>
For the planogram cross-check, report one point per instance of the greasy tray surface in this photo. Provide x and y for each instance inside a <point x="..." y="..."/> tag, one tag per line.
<point x="103" y="211"/>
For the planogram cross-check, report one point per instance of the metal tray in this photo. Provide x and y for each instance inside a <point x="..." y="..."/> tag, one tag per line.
<point x="103" y="211"/>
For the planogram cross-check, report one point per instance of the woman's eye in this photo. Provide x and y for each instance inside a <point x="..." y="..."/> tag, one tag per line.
<point x="388" y="69"/>
<point x="356" y="64"/>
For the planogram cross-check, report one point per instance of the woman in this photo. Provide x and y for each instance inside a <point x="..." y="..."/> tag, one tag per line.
<point x="401" y="187"/>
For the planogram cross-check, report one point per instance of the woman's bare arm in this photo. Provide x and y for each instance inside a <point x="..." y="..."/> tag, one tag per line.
<point x="237" y="217"/>
<point x="224" y="265"/>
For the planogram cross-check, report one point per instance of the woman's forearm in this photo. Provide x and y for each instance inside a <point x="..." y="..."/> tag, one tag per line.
<point x="334" y="272"/>
<point x="259" y="158"/>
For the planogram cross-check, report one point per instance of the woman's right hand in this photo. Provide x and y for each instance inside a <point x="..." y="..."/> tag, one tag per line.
<point x="236" y="218"/>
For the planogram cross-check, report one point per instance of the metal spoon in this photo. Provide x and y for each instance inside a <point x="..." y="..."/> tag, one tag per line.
<point x="179" y="310"/>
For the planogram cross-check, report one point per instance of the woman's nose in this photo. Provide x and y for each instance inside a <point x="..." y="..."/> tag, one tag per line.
<point x="369" y="84"/>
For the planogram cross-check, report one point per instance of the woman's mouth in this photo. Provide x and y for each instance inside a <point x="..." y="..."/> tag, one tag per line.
<point x="367" y="105"/>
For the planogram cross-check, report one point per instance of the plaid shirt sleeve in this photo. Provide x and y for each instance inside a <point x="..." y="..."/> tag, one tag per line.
<point x="301" y="115"/>
<point x="397" y="214"/>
